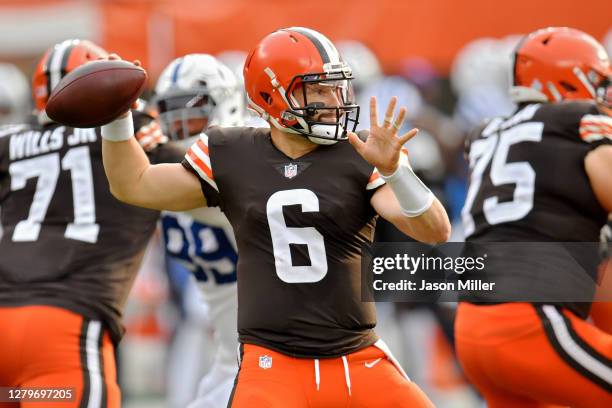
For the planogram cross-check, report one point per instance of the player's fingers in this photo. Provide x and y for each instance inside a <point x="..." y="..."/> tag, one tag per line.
<point x="399" y="121"/>
<point x="113" y="56"/>
<point x="355" y="141"/>
<point x="389" y="113"/>
<point x="137" y="63"/>
<point x="408" y="135"/>
<point x="373" y="113"/>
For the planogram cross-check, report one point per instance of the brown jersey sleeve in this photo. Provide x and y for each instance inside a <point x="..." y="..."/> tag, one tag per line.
<point x="212" y="196"/>
<point x="198" y="161"/>
<point x="595" y="127"/>
<point x="580" y="121"/>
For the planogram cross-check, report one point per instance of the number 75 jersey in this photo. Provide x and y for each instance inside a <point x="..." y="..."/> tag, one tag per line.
<point x="300" y="225"/>
<point x="527" y="178"/>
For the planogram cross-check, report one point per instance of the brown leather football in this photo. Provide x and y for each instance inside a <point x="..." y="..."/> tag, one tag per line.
<point x="96" y="93"/>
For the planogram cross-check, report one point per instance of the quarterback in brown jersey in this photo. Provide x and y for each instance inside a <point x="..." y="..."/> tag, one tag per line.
<point x="302" y="202"/>
<point x="544" y="174"/>
<point x="69" y="251"/>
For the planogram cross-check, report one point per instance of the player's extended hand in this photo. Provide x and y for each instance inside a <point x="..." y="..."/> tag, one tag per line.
<point x="383" y="146"/>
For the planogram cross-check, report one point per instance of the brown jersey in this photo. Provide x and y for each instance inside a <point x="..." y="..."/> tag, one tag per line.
<point x="66" y="240"/>
<point x="300" y="225"/>
<point x="528" y="184"/>
<point x="532" y="165"/>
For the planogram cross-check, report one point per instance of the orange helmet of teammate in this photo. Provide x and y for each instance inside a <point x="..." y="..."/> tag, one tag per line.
<point x="288" y="61"/>
<point x="560" y="63"/>
<point x="56" y="62"/>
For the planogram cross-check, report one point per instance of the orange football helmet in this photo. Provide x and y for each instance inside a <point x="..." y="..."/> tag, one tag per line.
<point x="560" y="63"/>
<point x="292" y="59"/>
<point x="56" y="62"/>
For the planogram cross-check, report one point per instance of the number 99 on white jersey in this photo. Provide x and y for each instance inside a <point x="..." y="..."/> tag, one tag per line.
<point x="208" y="251"/>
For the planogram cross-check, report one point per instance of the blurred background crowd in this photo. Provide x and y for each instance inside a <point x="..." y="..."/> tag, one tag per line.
<point x="447" y="61"/>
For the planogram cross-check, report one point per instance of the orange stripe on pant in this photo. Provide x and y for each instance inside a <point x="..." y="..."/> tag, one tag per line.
<point x="50" y="347"/>
<point x="527" y="356"/>
<point x="366" y="378"/>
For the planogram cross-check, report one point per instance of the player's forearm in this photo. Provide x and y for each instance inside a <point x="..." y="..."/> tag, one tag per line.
<point x="432" y="226"/>
<point x="132" y="179"/>
<point x="408" y="204"/>
<point x="124" y="164"/>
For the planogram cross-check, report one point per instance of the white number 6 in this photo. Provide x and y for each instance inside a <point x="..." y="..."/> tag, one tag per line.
<point x="282" y="236"/>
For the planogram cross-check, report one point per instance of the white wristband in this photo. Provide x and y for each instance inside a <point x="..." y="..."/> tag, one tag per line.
<point x="413" y="195"/>
<point x="120" y="130"/>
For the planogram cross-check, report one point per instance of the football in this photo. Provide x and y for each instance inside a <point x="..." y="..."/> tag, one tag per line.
<point x="96" y="93"/>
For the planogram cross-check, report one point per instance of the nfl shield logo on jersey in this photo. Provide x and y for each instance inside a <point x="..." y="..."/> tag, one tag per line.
<point x="265" y="362"/>
<point x="291" y="170"/>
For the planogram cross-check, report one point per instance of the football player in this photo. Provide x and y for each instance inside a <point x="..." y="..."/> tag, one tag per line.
<point x="302" y="202"/>
<point x="70" y="250"/>
<point x="193" y="93"/>
<point x="544" y="174"/>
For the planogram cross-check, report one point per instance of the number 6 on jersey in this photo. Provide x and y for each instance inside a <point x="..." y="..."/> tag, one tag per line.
<point x="283" y="236"/>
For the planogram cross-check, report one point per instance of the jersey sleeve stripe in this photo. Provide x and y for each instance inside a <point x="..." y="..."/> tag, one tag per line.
<point x="604" y="125"/>
<point x="146" y="140"/>
<point x="196" y="163"/>
<point x="150" y="135"/>
<point x="595" y="127"/>
<point x="203" y="147"/>
<point x="600" y="119"/>
<point x="203" y="156"/>
<point x="204" y="139"/>
<point x="149" y="128"/>
<point x="592" y="126"/>
<point x="588" y="127"/>
<point x="197" y="158"/>
<point x="593" y="137"/>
